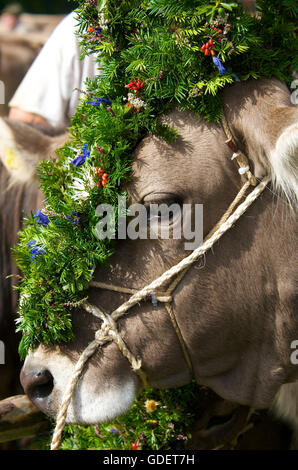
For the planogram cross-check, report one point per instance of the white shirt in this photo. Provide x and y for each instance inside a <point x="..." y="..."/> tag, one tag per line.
<point x="48" y="87"/>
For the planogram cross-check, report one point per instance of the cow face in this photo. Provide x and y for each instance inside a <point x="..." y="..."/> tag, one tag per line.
<point x="235" y="308"/>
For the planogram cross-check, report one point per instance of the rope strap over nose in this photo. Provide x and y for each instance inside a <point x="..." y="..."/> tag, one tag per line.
<point x="109" y="332"/>
<point x="163" y="298"/>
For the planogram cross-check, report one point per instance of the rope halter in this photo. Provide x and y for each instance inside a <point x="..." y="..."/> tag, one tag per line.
<point x="109" y="331"/>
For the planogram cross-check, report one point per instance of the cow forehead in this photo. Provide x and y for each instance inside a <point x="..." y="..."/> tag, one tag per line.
<point x="161" y="167"/>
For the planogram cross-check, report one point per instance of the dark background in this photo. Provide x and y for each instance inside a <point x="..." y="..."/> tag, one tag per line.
<point x="43" y="6"/>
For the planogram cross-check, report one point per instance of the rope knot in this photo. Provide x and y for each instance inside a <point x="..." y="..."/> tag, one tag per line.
<point x="244" y="168"/>
<point x="103" y="335"/>
<point x="136" y="365"/>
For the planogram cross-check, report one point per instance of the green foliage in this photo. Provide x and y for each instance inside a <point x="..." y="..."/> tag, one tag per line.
<point x="158" y="419"/>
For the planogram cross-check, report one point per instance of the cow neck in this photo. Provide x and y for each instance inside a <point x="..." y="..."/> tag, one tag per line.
<point x="109" y="330"/>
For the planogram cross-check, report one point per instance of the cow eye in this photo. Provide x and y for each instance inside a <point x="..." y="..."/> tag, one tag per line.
<point x="163" y="208"/>
<point x="161" y="198"/>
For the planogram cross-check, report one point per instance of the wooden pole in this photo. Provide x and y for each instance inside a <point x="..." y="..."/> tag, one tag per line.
<point x="19" y="418"/>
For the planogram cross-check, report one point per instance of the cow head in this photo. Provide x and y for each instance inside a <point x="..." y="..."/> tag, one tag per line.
<point x="235" y="307"/>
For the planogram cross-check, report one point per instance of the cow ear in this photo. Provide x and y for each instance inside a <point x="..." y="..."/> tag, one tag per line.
<point x="264" y="122"/>
<point x="22" y="147"/>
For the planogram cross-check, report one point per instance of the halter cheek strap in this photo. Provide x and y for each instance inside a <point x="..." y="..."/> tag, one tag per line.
<point x="109" y="331"/>
<point x="242" y="160"/>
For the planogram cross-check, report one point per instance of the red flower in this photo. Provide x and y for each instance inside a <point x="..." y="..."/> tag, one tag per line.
<point x="104" y="180"/>
<point x="103" y="177"/>
<point x="207" y="48"/>
<point x="135" y="84"/>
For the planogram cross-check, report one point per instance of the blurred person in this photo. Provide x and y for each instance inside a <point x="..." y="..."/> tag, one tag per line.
<point x="47" y="96"/>
<point x="10" y="20"/>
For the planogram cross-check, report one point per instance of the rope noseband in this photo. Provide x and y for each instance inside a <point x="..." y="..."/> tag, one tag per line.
<point x="109" y="331"/>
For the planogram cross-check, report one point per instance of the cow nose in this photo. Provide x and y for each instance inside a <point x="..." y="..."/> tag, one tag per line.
<point x="38" y="385"/>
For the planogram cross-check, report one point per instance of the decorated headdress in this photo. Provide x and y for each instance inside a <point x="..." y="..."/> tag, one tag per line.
<point x="152" y="55"/>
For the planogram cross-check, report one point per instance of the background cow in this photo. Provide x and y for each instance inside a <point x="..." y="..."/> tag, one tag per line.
<point x="21" y="148"/>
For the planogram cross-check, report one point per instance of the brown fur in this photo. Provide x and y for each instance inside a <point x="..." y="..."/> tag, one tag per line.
<point x="258" y="114"/>
<point x="14" y="200"/>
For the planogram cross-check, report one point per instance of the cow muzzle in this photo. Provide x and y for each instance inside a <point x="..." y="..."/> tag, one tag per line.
<point x="38" y="385"/>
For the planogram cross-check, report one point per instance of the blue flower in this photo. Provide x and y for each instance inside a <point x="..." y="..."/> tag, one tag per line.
<point x="36" y="250"/>
<point x="114" y="430"/>
<point x="98" y="29"/>
<point x="219" y="65"/>
<point x="85" y="151"/>
<point x="99" y="101"/>
<point x="42" y="218"/>
<point x="76" y="220"/>
<point x="77" y="161"/>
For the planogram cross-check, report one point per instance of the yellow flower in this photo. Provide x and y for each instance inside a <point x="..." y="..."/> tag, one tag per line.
<point x="150" y="406"/>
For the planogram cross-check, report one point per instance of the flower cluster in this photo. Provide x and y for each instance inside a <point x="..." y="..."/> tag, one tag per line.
<point x="102" y="177"/>
<point x="96" y="29"/>
<point x="209" y="47"/>
<point x="134" y="98"/>
<point x="135" y="102"/>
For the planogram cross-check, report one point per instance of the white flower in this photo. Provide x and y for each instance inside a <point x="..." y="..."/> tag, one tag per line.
<point x="22" y="302"/>
<point x="136" y="102"/>
<point x="102" y="21"/>
<point x="23" y="299"/>
<point x="82" y="185"/>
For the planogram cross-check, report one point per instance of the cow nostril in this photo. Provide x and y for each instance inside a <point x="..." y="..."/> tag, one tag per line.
<point x="37" y="385"/>
<point x="43" y="386"/>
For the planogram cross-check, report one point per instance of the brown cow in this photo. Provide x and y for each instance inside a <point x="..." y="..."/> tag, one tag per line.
<point x="237" y="314"/>
<point x="21" y="148"/>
